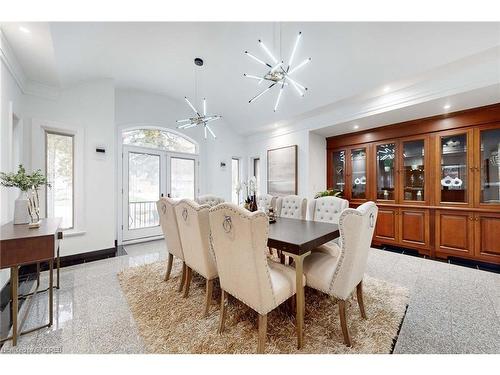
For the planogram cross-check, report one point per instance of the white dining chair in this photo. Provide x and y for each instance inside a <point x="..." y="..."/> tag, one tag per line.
<point x="327" y="210"/>
<point x="211" y="200"/>
<point x="239" y="243"/>
<point x="194" y="230"/>
<point x="168" y="223"/>
<point x="265" y="202"/>
<point x="338" y="275"/>
<point x="291" y="206"/>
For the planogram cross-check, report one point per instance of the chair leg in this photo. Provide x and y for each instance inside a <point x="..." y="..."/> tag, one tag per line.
<point x="189" y="276"/>
<point x="169" y="266"/>
<point x="359" y="294"/>
<point x="223" y="307"/>
<point x="270" y="250"/>
<point x="343" y="323"/>
<point x="208" y="296"/>
<point x="183" y="277"/>
<point x="262" y="333"/>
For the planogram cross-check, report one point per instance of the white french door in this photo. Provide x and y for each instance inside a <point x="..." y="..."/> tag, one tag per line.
<point x="149" y="174"/>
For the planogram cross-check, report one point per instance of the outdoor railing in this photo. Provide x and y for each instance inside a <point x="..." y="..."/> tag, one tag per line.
<point x="142" y="215"/>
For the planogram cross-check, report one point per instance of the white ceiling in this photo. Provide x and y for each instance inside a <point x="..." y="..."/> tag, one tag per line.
<point x="348" y="59"/>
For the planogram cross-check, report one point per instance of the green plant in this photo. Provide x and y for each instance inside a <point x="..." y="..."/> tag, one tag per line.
<point x="328" y="193"/>
<point x="22" y="180"/>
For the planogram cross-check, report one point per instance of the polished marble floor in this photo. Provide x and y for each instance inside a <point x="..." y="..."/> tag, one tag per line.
<point x="452" y="309"/>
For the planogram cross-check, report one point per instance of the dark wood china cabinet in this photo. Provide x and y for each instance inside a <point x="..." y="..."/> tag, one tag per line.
<point x="436" y="182"/>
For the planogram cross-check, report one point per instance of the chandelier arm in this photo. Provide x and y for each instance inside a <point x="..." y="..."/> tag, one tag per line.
<point x="306" y="61"/>
<point x="210" y="130"/>
<point x="279" y="96"/>
<point x="296" y="83"/>
<point x="262" y="93"/>
<point x="192" y="107"/>
<point x="252" y="77"/>
<point x="267" y="51"/>
<point x="184" y="120"/>
<point x="293" y="50"/>
<point x="204" y="106"/>
<point x="299" y="91"/>
<point x="205" y="130"/>
<point x="257" y="59"/>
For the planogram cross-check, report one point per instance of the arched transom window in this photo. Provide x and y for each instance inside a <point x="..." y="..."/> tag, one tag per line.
<point x="159" y="139"/>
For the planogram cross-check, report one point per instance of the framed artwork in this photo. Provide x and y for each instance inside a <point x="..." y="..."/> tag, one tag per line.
<point x="282" y="171"/>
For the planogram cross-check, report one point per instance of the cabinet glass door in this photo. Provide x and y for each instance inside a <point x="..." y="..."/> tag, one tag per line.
<point x="490" y="166"/>
<point x="358" y="173"/>
<point x="339" y="171"/>
<point x="413" y="170"/>
<point x="453" y="174"/>
<point x="386" y="166"/>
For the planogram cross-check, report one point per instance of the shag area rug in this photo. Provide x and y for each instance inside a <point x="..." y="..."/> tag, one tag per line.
<point x="169" y="323"/>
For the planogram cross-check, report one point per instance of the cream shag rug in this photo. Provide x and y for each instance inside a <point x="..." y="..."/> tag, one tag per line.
<point x="169" y="323"/>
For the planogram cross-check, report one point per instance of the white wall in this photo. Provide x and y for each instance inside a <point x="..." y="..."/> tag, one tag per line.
<point x="88" y="109"/>
<point x="135" y="108"/>
<point x="311" y="157"/>
<point x="10" y="102"/>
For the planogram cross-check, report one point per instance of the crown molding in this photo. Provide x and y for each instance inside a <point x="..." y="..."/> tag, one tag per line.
<point x="27" y="86"/>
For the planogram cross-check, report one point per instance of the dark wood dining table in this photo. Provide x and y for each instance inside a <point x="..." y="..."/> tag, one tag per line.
<point x="297" y="238"/>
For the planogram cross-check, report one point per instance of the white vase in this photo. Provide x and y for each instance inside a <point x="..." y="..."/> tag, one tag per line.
<point x="21" y="213"/>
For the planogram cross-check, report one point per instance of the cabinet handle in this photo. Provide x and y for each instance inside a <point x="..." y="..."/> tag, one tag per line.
<point x="471" y="218"/>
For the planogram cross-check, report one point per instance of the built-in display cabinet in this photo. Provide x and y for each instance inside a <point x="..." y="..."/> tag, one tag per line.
<point x="436" y="182"/>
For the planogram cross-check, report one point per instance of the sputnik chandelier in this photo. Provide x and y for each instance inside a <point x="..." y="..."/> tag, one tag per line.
<point x="279" y="73"/>
<point x="198" y="119"/>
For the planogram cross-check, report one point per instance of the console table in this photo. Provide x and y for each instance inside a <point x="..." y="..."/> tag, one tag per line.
<point x="20" y="246"/>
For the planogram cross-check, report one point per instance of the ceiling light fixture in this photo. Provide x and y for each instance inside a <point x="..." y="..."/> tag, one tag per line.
<point x="356" y="126"/>
<point x="198" y="119"/>
<point x="387" y="88"/>
<point x="24" y="29"/>
<point x="279" y="73"/>
<point x="447" y="106"/>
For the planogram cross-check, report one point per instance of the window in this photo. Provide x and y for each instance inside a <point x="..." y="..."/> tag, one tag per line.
<point x="59" y="159"/>
<point x="256" y="172"/>
<point x="235" y="173"/>
<point x="182" y="178"/>
<point x="160" y="139"/>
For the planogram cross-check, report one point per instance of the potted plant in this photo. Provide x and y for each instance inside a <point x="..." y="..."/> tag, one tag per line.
<point x="26" y="207"/>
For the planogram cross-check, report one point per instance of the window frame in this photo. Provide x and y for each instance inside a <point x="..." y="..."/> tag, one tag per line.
<point x="163" y="130"/>
<point x="72" y="136"/>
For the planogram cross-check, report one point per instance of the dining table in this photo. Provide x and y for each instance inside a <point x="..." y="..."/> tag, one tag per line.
<point x="297" y="238"/>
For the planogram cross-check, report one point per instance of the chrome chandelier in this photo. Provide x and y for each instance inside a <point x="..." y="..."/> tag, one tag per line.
<point x="279" y="73"/>
<point x="198" y="119"/>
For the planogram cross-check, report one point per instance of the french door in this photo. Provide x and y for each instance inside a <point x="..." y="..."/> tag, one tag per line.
<point x="149" y="174"/>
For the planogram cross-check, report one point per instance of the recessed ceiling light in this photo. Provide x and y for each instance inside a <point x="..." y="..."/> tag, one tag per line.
<point x="24" y="29"/>
<point x="447" y="106"/>
<point x="356" y="126"/>
<point x="387" y="88"/>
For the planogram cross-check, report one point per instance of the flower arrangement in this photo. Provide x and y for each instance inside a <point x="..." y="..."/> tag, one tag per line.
<point x="328" y="193"/>
<point x="26" y="182"/>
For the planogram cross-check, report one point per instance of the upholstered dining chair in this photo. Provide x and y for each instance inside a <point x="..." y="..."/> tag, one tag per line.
<point x="291" y="206"/>
<point x="265" y="202"/>
<point x="327" y="210"/>
<point x="338" y="275"/>
<point x="168" y="222"/>
<point x="211" y="200"/>
<point x="239" y="243"/>
<point x="194" y="231"/>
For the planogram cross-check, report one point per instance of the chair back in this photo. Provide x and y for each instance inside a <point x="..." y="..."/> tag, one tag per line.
<point x="265" y="202"/>
<point x="211" y="200"/>
<point x="194" y="230"/>
<point x="168" y="222"/>
<point x="292" y="206"/>
<point x="327" y="209"/>
<point x="356" y="231"/>
<point x="239" y="242"/>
